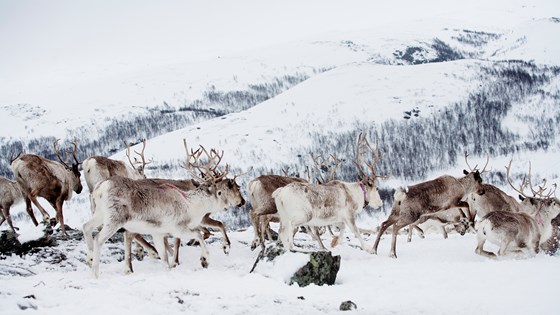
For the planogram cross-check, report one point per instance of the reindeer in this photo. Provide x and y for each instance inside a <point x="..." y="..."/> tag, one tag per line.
<point x="461" y="218"/>
<point x="435" y="195"/>
<point x="54" y="181"/>
<point x="530" y="226"/>
<point x="264" y="208"/>
<point x="332" y="203"/>
<point x="10" y="194"/>
<point x="99" y="168"/>
<point x="493" y="199"/>
<point x="530" y="229"/>
<point x="207" y="222"/>
<point x="147" y="207"/>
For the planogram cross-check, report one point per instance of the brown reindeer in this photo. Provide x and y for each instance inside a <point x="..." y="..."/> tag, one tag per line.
<point x="442" y="193"/>
<point x="54" y="181"/>
<point x="10" y="194"/>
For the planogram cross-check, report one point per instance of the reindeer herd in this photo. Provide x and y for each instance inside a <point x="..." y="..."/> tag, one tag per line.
<point x="122" y="197"/>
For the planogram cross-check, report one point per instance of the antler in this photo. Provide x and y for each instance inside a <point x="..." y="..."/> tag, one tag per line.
<point x="476" y="166"/>
<point x="363" y="146"/>
<point x="141" y="154"/>
<point x="57" y="151"/>
<point x="523" y="185"/>
<point x="542" y="188"/>
<point x="12" y="158"/>
<point x="68" y="152"/>
<point x="325" y="165"/>
<point x="209" y="172"/>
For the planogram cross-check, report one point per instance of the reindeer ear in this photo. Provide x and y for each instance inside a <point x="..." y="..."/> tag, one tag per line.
<point x="465" y="172"/>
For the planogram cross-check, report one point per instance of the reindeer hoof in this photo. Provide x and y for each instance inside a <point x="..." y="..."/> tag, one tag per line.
<point x="128" y="271"/>
<point x="203" y="262"/>
<point x="393" y="255"/>
<point x="334" y="241"/>
<point x="226" y="249"/>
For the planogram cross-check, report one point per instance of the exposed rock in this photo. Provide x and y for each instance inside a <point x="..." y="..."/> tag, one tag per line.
<point x="9" y="244"/>
<point x="321" y="269"/>
<point x="348" y="306"/>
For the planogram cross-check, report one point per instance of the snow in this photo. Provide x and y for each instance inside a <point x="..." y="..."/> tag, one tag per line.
<point x="431" y="275"/>
<point x="71" y="64"/>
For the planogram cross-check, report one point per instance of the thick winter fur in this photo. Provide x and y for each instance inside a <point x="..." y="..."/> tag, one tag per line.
<point x="147" y="207"/>
<point x="99" y="168"/>
<point x="545" y="211"/>
<point x="460" y="218"/>
<point x="333" y="203"/>
<point x="493" y="199"/>
<point x="514" y="232"/>
<point x="10" y="194"/>
<point x="263" y="206"/>
<point x="439" y="194"/>
<point x="40" y="177"/>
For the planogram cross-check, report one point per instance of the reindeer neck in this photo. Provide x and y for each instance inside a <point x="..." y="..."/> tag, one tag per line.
<point x="359" y="192"/>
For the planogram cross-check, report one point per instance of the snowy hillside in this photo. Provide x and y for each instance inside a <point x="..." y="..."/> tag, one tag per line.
<point x="270" y="83"/>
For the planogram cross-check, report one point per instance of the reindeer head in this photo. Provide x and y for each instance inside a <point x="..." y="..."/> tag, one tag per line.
<point x="74" y="169"/>
<point x="368" y="181"/>
<point x="466" y="222"/>
<point x="472" y="182"/>
<point x="226" y="190"/>
<point x="542" y="197"/>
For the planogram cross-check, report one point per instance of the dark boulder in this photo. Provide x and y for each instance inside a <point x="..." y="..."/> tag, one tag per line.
<point x="321" y="269"/>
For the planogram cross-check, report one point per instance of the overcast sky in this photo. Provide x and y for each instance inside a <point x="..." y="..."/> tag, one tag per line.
<point x="50" y="40"/>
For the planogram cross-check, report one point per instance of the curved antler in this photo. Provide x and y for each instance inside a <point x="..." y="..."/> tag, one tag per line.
<point x="363" y="146"/>
<point x="209" y="172"/>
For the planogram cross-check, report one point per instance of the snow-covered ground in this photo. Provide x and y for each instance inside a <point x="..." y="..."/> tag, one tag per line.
<point x="71" y="64"/>
<point x="431" y="276"/>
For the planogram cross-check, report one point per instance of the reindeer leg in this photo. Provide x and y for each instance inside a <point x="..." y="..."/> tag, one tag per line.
<point x="195" y="234"/>
<point x="384" y="226"/>
<point x="176" y="245"/>
<point x="6" y="217"/>
<point x="255" y="220"/>
<point x="339" y="239"/>
<point x="46" y="217"/>
<point x="398" y="225"/>
<point x="151" y="249"/>
<point x="60" y="216"/>
<point x="88" y="227"/>
<point x="315" y="234"/>
<point x="159" y="242"/>
<point x="128" y="252"/>
<point x="481" y="239"/>
<point x="285" y="233"/>
<point x="106" y="232"/>
<point x="351" y="223"/>
<point x="29" y="210"/>
<point x="443" y="231"/>
<point x="211" y="223"/>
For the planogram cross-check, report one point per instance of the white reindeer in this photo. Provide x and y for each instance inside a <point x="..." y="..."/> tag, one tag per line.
<point x="332" y="203"/>
<point x="147" y="207"/>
